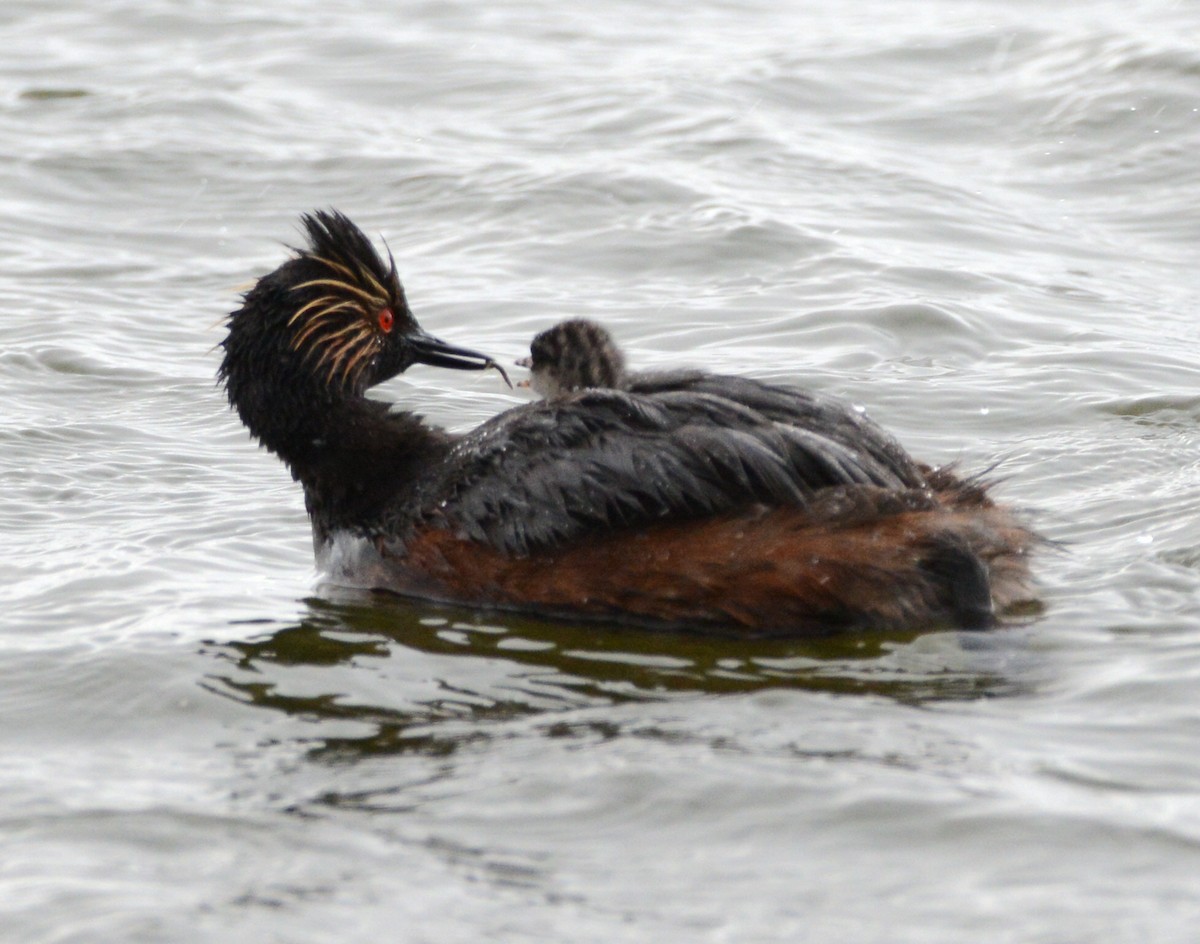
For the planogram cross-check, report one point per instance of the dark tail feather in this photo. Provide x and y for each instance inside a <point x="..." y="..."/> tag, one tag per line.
<point x="963" y="581"/>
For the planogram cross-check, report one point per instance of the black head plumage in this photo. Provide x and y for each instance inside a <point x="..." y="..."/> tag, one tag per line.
<point x="321" y="329"/>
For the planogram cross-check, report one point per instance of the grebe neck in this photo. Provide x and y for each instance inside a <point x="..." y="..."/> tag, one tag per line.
<point x="353" y="455"/>
<point x="359" y="459"/>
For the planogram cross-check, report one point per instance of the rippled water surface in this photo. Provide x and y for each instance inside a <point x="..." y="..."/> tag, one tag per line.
<point x="979" y="220"/>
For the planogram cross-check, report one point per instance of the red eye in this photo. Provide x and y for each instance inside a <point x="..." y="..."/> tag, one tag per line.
<point x="386" y="320"/>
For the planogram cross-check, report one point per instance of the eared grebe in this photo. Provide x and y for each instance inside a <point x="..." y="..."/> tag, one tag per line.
<point x="573" y="355"/>
<point x="678" y="498"/>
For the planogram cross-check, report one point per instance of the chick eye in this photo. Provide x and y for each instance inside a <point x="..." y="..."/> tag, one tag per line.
<point x="387" y="320"/>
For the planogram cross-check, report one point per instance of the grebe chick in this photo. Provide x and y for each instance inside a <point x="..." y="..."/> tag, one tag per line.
<point x="689" y="499"/>
<point x="573" y="355"/>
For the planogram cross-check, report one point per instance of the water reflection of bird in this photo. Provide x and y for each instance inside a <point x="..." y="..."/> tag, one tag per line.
<point x="689" y="499"/>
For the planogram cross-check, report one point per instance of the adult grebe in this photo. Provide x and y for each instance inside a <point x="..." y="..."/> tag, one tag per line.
<point x="690" y="499"/>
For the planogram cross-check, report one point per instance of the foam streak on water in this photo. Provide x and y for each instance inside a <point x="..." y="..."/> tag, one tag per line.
<point x="977" y="220"/>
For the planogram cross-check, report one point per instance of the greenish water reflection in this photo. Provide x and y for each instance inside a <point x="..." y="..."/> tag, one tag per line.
<point x="543" y="668"/>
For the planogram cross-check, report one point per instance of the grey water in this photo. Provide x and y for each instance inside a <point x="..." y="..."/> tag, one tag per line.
<point x="978" y="220"/>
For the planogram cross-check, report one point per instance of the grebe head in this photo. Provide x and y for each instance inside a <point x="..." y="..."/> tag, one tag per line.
<point x="573" y="355"/>
<point x="329" y="323"/>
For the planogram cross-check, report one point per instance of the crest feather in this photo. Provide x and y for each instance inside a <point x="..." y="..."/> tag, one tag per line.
<point x="351" y="285"/>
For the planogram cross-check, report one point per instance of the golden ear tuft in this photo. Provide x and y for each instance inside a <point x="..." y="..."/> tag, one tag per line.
<point x="337" y="326"/>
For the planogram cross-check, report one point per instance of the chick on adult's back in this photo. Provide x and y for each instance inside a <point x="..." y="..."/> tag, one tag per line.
<point x="687" y="499"/>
